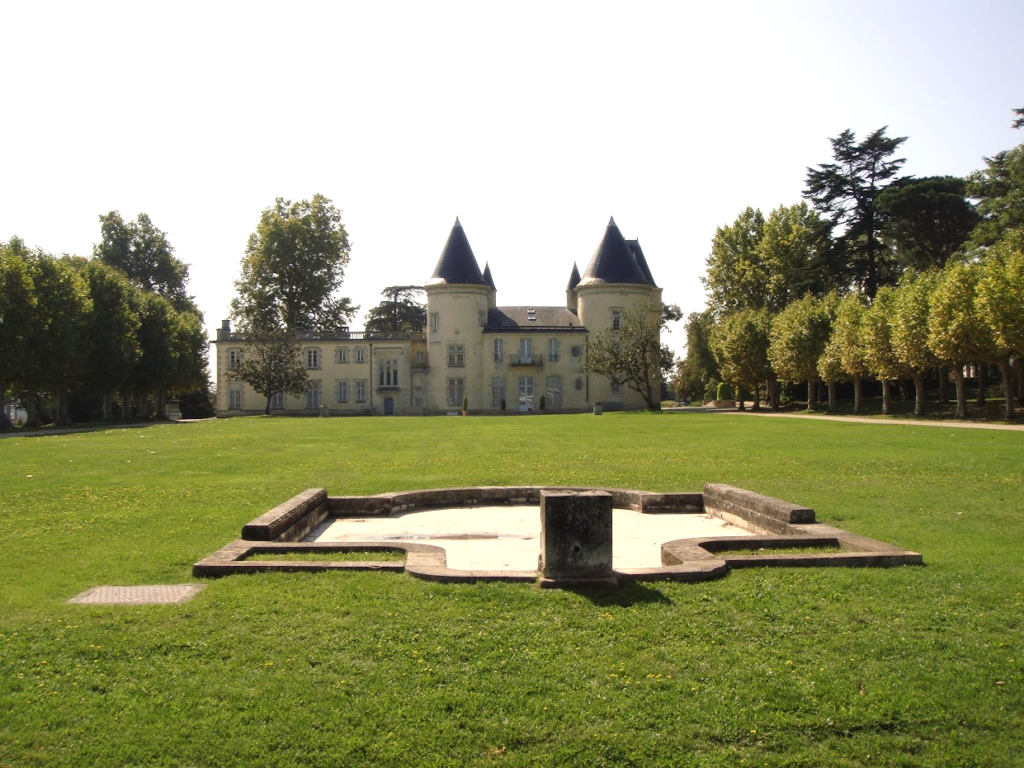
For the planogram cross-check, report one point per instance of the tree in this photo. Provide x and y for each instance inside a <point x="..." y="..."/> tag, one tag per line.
<point x="846" y="191"/>
<point x="17" y="305"/>
<point x="792" y="252"/>
<point x="926" y="220"/>
<point x="398" y="312"/>
<point x="999" y="190"/>
<point x="154" y="369"/>
<point x="144" y="254"/>
<point x="58" y="332"/>
<point x="113" y="332"/>
<point x="634" y="354"/>
<point x="272" y="364"/>
<point x="909" y="329"/>
<point x="293" y="267"/>
<point x="957" y="331"/>
<point x="798" y="338"/>
<point x="740" y="344"/>
<point x="699" y="367"/>
<point x="879" y="354"/>
<point x="1000" y="298"/>
<point x="846" y="345"/>
<point x="733" y="277"/>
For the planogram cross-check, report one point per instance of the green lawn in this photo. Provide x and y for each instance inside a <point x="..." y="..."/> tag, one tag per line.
<point x="909" y="666"/>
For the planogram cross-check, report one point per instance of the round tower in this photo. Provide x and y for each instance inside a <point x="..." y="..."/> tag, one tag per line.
<point x="616" y="282"/>
<point x="458" y="297"/>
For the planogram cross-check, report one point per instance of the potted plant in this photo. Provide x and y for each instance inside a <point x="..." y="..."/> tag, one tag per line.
<point x="543" y="403"/>
<point x="503" y="405"/>
<point x="465" y="405"/>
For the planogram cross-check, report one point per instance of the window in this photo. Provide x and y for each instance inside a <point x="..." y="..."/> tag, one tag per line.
<point x="341" y="391"/>
<point x="616" y="319"/>
<point x="235" y="398"/>
<point x="616" y="388"/>
<point x="576" y="350"/>
<point x="526" y="351"/>
<point x="435" y="322"/>
<point x="360" y="354"/>
<point x="526" y="392"/>
<point x="277" y="401"/>
<point x="342" y="354"/>
<point x="362" y="387"/>
<point x="456" y="356"/>
<point x="388" y="370"/>
<point x="312" y="397"/>
<point x="234" y="358"/>
<point x="553" y="350"/>
<point x="579" y="383"/>
<point x="419" y="358"/>
<point x="497" y="392"/>
<point x="312" y="358"/>
<point x="456" y="390"/>
<point x="553" y="396"/>
<point x="499" y="350"/>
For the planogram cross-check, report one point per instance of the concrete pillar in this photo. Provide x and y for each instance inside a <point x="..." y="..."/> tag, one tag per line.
<point x="575" y="538"/>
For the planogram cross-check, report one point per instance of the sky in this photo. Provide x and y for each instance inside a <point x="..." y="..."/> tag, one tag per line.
<point x="533" y="122"/>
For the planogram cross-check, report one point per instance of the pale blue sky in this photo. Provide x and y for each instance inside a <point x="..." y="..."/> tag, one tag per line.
<point x="533" y="122"/>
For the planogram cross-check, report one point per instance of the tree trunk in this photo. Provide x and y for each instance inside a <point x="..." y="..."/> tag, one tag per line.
<point x="919" y="393"/>
<point x="773" y="393"/>
<point x="832" y="404"/>
<point x="266" y="411"/>
<point x="1005" y="370"/>
<point x="811" y="394"/>
<point x="1020" y="380"/>
<point x="757" y="398"/>
<point x="5" y="420"/>
<point x="143" y="404"/>
<point x="857" y="390"/>
<point x="943" y="384"/>
<point x="126" y="404"/>
<point x="108" y="406"/>
<point x="886" y="397"/>
<point x="63" y="415"/>
<point x="961" y="392"/>
<point x="31" y="412"/>
<point x="980" y="368"/>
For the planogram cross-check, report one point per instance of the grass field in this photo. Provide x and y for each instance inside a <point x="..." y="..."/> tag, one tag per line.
<point x="908" y="666"/>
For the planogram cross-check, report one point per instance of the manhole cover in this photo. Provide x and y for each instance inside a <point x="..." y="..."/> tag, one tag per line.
<point x="157" y="593"/>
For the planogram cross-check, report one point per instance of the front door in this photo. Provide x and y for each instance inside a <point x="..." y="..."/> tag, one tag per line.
<point x="389" y="406"/>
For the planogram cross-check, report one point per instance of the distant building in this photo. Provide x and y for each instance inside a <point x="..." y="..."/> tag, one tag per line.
<point x="471" y="348"/>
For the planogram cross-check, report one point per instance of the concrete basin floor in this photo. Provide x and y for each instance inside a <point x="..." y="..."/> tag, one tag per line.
<point x="507" y="538"/>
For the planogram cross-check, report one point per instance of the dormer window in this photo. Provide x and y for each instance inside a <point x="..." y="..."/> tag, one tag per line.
<point x="531" y="315"/>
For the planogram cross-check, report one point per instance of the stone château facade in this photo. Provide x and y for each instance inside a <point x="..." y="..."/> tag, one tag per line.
<point x="470" y="348"/>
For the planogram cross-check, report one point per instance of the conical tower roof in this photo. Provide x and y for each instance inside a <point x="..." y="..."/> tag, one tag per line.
<point x="574" y="278"/>
<point x="613" y="261"/>
<point x="488" y="279"/>
<point x="457" y="265"/>
<point x="638" y="254"/>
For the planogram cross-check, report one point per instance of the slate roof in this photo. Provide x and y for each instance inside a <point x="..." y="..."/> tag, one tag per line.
<point x="487" y="277"/>
<point x="457" y="265"/>
<point x="517" y="319"/>
<point x="638" y="254"/>
<point x="614" y="261"/>
<point x="574" y="278"/>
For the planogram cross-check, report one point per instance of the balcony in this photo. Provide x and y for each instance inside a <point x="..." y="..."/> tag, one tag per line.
<point x="537" y="361"/>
